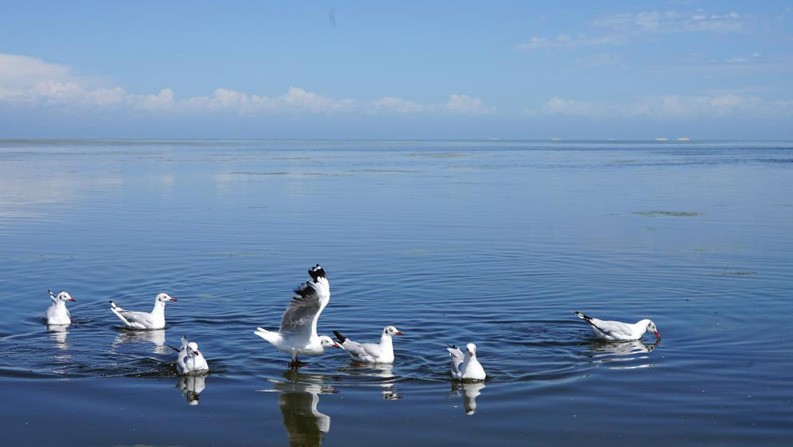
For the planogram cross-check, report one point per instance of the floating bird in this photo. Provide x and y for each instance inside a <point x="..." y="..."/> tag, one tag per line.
<point x="618" y="331"/>
<point x="382" y="352"/>
<point x="190" y="360"/>
<point x="298" y="332"/>
<point x="57" y="313"/>
<point x="144" y="320"/>
<point x="466" y="367"/>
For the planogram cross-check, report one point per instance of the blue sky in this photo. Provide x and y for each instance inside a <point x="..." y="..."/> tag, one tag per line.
<point x="407" y="69"/>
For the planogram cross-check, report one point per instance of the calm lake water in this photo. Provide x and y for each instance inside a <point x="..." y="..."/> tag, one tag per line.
<point x="492" y="242"/>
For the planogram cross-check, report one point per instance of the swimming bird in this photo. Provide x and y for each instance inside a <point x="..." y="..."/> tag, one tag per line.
<point x="190" y="360"/>
<point x="382" y="352"/>
<point x="466" y="367"/>
<point x="619" y="331"/>
<point x="144" y="320"/>
<point x="57" y="313"/>
<point x="298" y="332"/>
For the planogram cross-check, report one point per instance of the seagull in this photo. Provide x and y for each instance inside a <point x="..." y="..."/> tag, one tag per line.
<point x="144" y="320"/>
<point x="466" y="367"/>
<point x="618" y="331"/>
<point x="57" y="313"/>
<point x="190" y="360"/>
<point x="298" y="332"/>
<point x="371" y="352"/>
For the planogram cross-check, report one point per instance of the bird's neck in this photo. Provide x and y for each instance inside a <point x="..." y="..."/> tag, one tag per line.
<point x="322" y="286"/>
<point x="159" y="308"/>
<point x="386" y="341"/>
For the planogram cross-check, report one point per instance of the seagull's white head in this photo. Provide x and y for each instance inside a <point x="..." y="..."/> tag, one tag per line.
<point x="192" y="349"/>
<point x="164" y="298"/>
<point x="471" y="349"/>
<point x="327" y="342"/>
<point x="64" y="296"/>
<point x="392" y="330"/>
<point x="651" y="328"/>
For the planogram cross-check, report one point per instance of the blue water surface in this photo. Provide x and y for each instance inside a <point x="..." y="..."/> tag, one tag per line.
<point x="492" y="242"/>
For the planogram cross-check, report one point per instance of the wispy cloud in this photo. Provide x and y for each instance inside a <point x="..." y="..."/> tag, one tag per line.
<point x="618" y="29"/>
<point x="672" y="22"/>
<point x="30" y="82"/>
<point x="566" y="41"/>
<point x="672" y="106"/>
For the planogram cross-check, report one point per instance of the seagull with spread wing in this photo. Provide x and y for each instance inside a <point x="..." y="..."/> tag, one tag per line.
<point x="298" y="332"/>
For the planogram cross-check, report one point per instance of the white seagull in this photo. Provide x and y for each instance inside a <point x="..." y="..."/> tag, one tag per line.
<point x="382" y="352"/>
<point x="57" y="313"/>
<point x="618" y="331"/>
<point x="190" y="360"/>
<point x="466" y="367"/>
<point x="144" y="320"/>
<point x="298" y="332"/>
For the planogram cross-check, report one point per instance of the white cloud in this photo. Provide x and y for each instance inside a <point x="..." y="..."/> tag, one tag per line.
<point x="567" y="41"/>
<point x="300" y="99"/>
<point x="672" y="21"/>
<point x="29" y="82"/>
<point x="620" y="28"/>
<point x="398" y="105"/>
<point x="673" y="106"/>
<point x="563" y="106"/>
<point x="23" y="72"/>
<point x="465" y="104"/>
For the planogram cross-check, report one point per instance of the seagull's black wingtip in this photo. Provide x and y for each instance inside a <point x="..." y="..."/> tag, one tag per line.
<point x="583" y="316"/>
<point x="339" y="336"/>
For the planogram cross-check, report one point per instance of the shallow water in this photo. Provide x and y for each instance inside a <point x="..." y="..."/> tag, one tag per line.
<point x="495" y="242"/>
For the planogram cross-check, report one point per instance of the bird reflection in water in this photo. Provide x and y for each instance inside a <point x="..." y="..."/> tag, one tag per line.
<point x="382" y="375"/>
<point x="298" y="399"/>
<point x="191" y="386"/>
<point x="155" y="337"/>
<point x="623" y="354"/>
<point x="62" y="359"/>
<point x="470" y="391"/>
<point x="58" y="334"/>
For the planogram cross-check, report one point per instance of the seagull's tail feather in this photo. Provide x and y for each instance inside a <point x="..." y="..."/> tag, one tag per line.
<point x="457" y="357"/>
<point x="52" y="296"/>
<point x="340" y="337"/>
<point x="117" y="310"/>
<point x="583" y="316"/>
<point x="175" y="349"/>
<point x="456" y="354"/>
<point x="269" y="336"/>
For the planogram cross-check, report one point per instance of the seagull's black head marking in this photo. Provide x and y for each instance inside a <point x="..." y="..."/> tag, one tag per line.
<point x="316" y="272"/>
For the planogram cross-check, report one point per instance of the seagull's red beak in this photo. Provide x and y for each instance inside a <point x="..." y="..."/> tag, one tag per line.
<point x="72" y="300"/>
<point x="657" y="334"/>
<point x="399" y="333"/>
<point x="336" y="345"/>
<point x="174" y="299"/>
